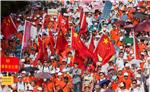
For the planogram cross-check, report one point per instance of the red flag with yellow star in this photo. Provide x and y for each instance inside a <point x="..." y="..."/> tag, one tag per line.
<point x="105" y="50"/>
<point x="8" y="27"/>
<point x="61" y="43"/>
<point x="79" y="46"/>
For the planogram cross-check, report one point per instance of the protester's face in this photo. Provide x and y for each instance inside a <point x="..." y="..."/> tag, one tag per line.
<point x="121" y="55"/>
<point x="76" y="65"/>
<point x="120" y="72"/>
<point x="19" y="79"/>
<point x="87" y="89"/>
<point x="134" y="83"/>
<point x="125" y="77"/>
<point x="101" y="75"/>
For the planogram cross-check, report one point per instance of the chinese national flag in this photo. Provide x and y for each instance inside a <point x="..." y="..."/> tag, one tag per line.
<point x="9" y="64"/>
<point x="63" y="23"/>
<point x="61" y="43"/>
<point x="83" y="23"/>
<point x="92" y="47"/>
<point x="52" y="43"/>
<point x="8" y="27"/>
<point x="105" y="50"/>
<point x="79" y="46"/>
<point x="42" y="51"/>
<point x="136" y="49"/>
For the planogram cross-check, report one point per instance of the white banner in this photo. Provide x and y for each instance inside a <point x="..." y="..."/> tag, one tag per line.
<point x="52" y="11"/>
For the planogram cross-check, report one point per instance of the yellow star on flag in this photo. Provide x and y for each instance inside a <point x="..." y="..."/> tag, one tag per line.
<point x="105" y="40"/>
<point x="75" y="35"/>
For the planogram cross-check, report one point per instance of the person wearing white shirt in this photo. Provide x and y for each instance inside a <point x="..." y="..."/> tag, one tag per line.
<point x="20" y="85"/>
<point x="20" y="27"/>
<point x="119" y="61"/>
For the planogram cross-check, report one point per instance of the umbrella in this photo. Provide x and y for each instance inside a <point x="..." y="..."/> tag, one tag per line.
<point x="140" y="15"/>
<point x="43" y="75"/>
<point x="119" y="23"/>
<point x="143" y="26"/>
<point x="29" y="69"/>
<point x="101" y="83"/>
<point x="129" y="26"/>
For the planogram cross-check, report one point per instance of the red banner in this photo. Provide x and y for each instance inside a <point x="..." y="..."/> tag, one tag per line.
<point x="9" y="64"/>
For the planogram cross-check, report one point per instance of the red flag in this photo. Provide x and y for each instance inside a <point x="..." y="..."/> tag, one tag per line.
<point x="26" y="34"/>
<point x="105" y="50"/>
<point x="136" y="49"/>
<point x="8" y="27"/>
<point x="92" y="47"/>
<point x="83" y="23"/>
<point x="63" y="23"/>
<point x="79" y="46"/>
<point x="42" y="51"/>
<point x="46" y="20"/>
<point x="61" y="43"/>
<point x="79" y="60"/>
<point x="9" y="64"/>
<point x="52" y="43"/>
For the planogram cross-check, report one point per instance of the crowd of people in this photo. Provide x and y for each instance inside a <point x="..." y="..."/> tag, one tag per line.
<point x="57" y="71"/>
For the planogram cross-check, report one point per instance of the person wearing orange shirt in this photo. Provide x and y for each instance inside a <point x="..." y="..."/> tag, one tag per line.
<point x="35" y="87"/>
<point x="114" y="82"/>
<point x="114" y="34"/>
<point x="127" y="80"/>
<point x="120" y="75"/>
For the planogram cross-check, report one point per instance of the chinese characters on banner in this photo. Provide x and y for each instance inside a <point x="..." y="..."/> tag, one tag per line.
<point x="9" y="64"/>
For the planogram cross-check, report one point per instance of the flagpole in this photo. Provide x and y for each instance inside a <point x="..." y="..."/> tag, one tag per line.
<point x="134" y="44"/>
<point x="12" y="22"/>
<point x="22" y="40"/>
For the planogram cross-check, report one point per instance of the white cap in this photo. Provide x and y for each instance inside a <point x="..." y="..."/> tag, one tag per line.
<point x="65" y="14"/>
<point x="22" y="60"/>
<point x="1" y="75"/>
<point x="28" y="17"/>
<point x="125" y="74"/>
<point x="57" y="70"/>
<point x="138" y="68"/>
<point x="64" y="70"/>
<point x="39" y="89"/>
<point x="53" y="72"/>
<point x="127" y="65"/>
<point x="97" y="36"/>
<point x="131" y="52"/>
<point x="35" y="18"/>
<point x="119" y="69"/>
<point x="121" y="47"/>
<point x="24" y="72"/>
<point x="38" y="15"/>
<point x="52" y="57"/>
<point x="138" y="76"/>
<point x="20" y="15"/>
<point x="33" y="23"/>
<point x="98" y="63"/>
<point x="129" y="44"/>
<point x="41" y="18"/>
<point x="59" y="74"/>
<point x="121" y="84"/>
<point x="18" y="19"/>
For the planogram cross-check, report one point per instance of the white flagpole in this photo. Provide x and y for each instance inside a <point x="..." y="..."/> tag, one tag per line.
<point x="23" y="39"/>
<point x="12" y="22"/>
<point x="134" y="44"/>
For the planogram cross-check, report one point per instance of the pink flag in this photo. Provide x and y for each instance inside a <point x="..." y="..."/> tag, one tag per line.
<point x="26" y="34"/>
